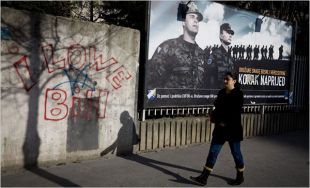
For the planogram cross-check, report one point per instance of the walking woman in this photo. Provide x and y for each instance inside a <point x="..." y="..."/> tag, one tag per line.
<point x="227" y="119"/>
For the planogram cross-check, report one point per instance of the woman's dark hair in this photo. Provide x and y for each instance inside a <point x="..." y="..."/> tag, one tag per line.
<point x="235" y="77"/>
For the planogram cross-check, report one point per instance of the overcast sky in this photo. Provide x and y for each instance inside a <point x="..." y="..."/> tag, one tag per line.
<point x="164" y="25"/>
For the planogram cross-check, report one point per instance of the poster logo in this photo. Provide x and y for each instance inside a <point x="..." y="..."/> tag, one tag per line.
<point x="151" y="95"/>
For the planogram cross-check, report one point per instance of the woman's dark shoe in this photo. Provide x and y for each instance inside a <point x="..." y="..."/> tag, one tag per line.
<point x="202" y="178"/>
<point x="239" y="179"/>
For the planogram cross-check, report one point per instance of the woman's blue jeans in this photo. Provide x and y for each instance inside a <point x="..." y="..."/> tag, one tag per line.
<point x="215" y="149"/>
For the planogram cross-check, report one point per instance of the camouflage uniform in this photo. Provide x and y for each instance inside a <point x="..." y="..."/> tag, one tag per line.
<point x="176" y="64"/>
<point x="218" y="63"/>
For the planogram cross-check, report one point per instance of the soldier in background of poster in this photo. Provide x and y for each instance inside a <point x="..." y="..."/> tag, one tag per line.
<point x="280" y="52"/>
<point x="179" y="62"/>
<point x="220" y="61"/>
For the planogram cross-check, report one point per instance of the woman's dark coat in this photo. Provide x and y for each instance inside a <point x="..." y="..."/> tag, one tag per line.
<point x="228" y="109"/>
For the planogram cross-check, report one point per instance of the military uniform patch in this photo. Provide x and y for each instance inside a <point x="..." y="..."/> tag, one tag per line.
<point x="209" y="61"/>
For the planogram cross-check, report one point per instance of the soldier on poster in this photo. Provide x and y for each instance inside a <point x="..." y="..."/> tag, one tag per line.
<point x="256" y="52"/>
<point x="270" y="52"/>
<point x="265" y="52"/>
<point x="179" y="62"/>
<point x="262" y="51"/>
<point x="280" y="52"/>
<point x="235" y="51"/>
<point x="220" y="61"/>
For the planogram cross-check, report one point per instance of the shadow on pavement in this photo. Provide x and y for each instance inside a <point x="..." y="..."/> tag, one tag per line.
<point x="155" y="164"/>
<point x="56" y="179"/>
<point x="123" y="147"/>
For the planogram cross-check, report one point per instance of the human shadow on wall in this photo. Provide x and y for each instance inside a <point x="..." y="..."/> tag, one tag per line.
<point x="127" y="138"/>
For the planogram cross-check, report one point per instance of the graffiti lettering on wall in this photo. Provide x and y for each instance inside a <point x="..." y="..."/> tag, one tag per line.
<point x="117" y="76"/>
<point x="22" y="69"/>
<point x="56" y="107"/>
<point x="76" y="55"/>
<point x="76" y="60"/>
<point x="76" y="64"/>
<point x="78" y="79"/>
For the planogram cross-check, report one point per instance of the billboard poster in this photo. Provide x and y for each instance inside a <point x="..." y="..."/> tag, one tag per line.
<point x="192" y="45"/>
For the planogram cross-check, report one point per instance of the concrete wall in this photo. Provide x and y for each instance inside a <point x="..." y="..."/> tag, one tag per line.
<point x="68" y="88"/>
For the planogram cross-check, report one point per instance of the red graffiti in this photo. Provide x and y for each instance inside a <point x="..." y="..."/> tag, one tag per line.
<point x="23" y="71"/>
<point x="55" y="107"/>
<point x="75" y="56"/>
<point x="99" y="62"/>
<point x="116" y="77"/>
<point x="103" y="100"/>
<point x="76" y="101"/>
<point x="52" y="64"/>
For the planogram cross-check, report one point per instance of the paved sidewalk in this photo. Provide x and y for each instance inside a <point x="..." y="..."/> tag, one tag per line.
<point x="271" y="161"/>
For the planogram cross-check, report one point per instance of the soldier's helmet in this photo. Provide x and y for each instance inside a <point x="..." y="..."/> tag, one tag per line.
<point x="227" y="28"/>
<point x="187" y="8"/>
